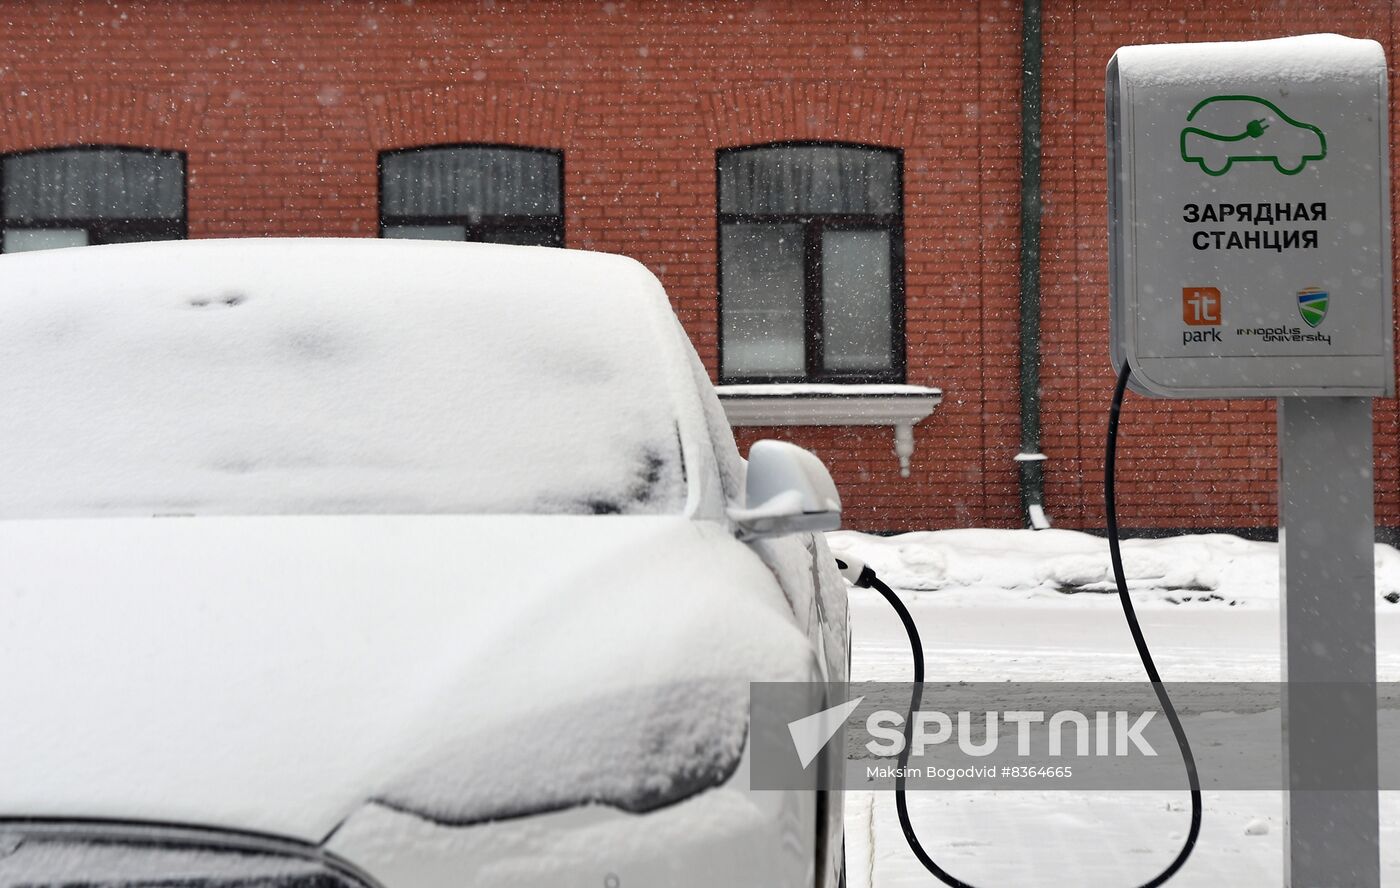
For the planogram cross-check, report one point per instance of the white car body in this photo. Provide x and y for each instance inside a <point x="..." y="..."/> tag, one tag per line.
<point x="341" y="664"/>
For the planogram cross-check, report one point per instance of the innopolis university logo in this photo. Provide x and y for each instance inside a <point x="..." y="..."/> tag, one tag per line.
<point x="1226" y="130"/>
<point x="1312" y="305"/>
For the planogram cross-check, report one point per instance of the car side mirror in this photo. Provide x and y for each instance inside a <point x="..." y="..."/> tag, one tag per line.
<point x="787" y="490"/>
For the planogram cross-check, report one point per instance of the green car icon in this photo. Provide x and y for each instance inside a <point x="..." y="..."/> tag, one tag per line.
<point x="1234" y="129"/>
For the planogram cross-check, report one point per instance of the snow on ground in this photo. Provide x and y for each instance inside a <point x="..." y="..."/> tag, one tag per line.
<point x="984" y="566"/>
<point x="1019" y="606"/>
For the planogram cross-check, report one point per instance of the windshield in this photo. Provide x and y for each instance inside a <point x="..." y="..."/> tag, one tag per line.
<point x="303" y="377"/>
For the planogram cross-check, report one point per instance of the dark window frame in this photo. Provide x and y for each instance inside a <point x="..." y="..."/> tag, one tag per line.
<point x="100" y="231"/>
<point x="477" y="226"/>
<point x="813" y="224"/>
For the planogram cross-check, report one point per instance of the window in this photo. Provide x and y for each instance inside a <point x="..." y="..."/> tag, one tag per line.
<point x="492" y="193"/>
<point x="811" y="256"/>
<point x="68" y="197"/>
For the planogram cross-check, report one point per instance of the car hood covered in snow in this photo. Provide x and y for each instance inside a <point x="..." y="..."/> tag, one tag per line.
<point x="275" y="674"/>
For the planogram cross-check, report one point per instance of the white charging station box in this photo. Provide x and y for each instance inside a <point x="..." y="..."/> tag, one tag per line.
<point x="1249" y="218"/>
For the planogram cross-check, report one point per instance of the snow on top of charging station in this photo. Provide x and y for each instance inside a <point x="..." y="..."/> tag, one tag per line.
<point x="1307" y="59"/>
<point x="296" y="376"/>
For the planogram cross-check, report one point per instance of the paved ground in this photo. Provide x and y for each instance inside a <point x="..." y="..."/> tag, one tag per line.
<point x="1096" y="840"/>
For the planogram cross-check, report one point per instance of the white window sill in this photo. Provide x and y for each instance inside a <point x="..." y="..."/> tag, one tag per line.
<point x="802" y="404"/>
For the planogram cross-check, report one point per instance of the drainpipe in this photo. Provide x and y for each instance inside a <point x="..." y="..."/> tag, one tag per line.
<point x="1030" y="461"/>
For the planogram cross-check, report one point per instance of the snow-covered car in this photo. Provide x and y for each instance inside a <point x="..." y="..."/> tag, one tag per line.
<point x="388" y="563"/>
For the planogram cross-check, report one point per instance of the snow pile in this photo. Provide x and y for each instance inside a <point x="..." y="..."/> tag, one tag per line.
<point x="321" y="376"/>
<point x="1049" y="564"/>
<point x="636" y="749"/>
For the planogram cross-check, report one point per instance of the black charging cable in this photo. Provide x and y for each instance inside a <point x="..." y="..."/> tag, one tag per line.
<point x="862" y="575"/>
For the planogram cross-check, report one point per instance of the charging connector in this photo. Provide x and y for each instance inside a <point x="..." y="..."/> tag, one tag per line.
<point x="856" y="572"/>
<point x="860" y="574"/>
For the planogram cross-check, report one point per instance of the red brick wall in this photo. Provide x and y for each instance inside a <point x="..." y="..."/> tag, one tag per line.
<point x="1192" y="464"/>
<point x="283" y="108"/>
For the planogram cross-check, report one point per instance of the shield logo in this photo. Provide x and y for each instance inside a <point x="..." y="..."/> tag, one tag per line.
<point x="1312" y="305"/>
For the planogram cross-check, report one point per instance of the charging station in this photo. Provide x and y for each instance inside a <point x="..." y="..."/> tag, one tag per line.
<point x="1249" y="256"/>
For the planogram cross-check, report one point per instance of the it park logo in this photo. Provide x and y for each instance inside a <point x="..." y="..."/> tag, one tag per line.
<point x="1312" y="305"/>
<point x="1200" y="307"/>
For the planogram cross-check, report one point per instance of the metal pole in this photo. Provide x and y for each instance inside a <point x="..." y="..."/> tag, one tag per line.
<point x="1328" y="610"/>
<point x="1031" y="462"/>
